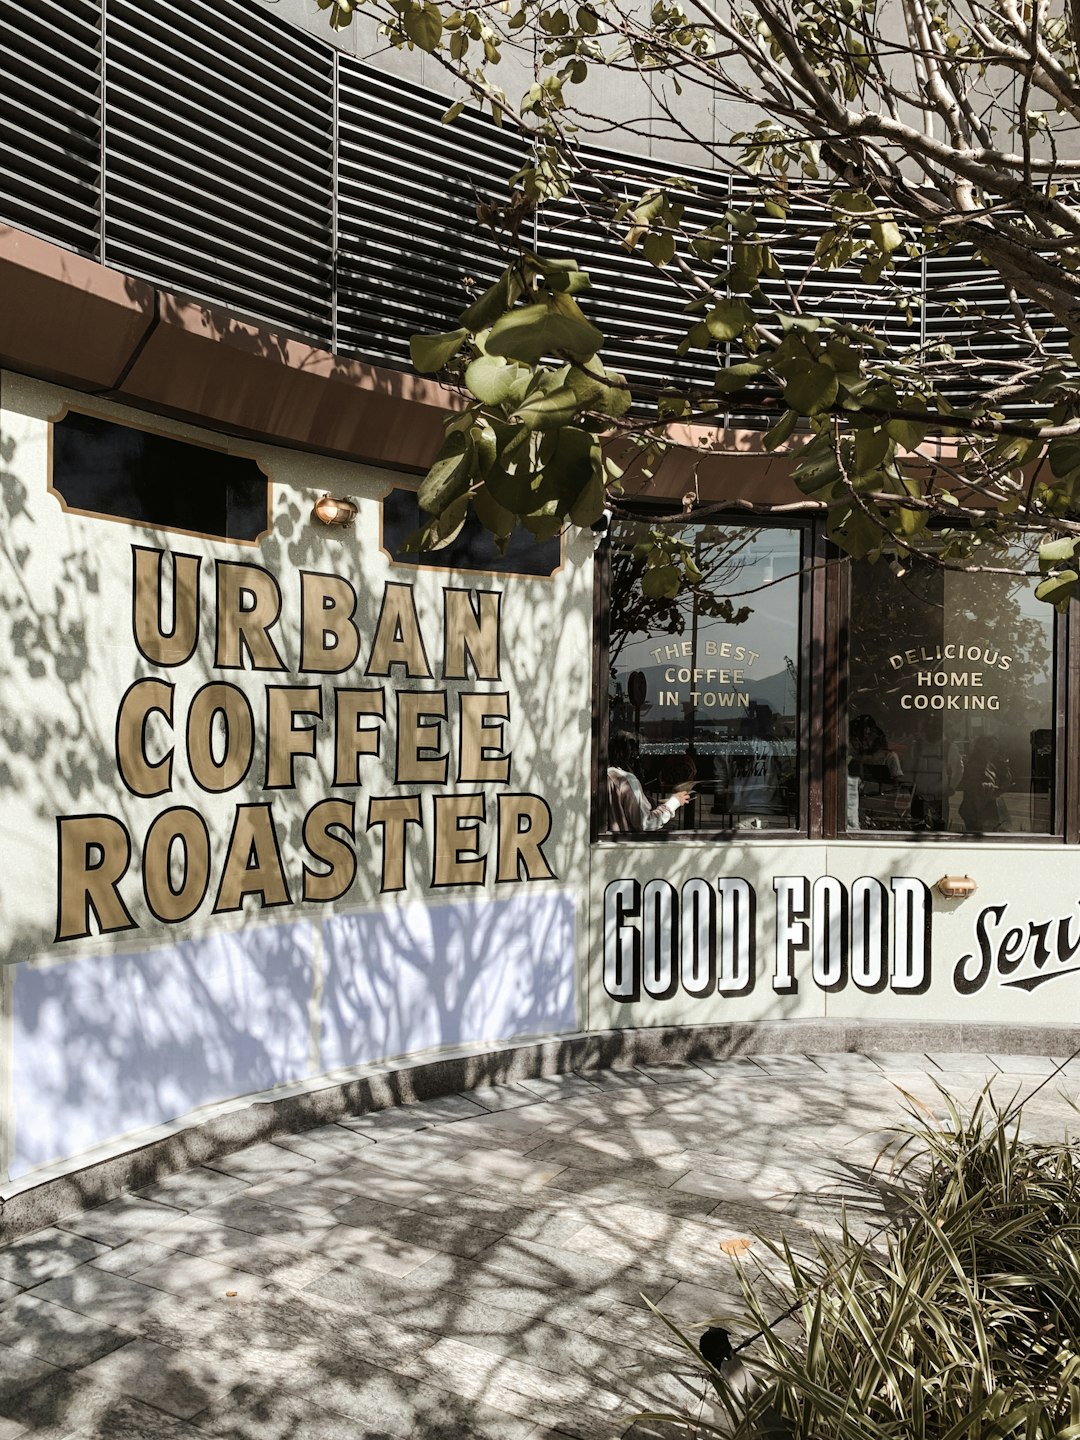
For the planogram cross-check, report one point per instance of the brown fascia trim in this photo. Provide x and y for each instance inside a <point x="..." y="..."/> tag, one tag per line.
<point x="71" y="321"/>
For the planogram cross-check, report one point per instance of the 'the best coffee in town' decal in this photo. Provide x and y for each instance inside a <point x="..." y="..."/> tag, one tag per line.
<point x="214" y="740"/>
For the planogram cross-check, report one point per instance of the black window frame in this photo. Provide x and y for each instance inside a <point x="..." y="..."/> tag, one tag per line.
<point x="825" y="600"/>
<point x="811" y="616"/>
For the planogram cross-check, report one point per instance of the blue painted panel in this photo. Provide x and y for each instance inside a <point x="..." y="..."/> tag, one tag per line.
<point x="103" y="1045"/>
<point x="407" y="979"/>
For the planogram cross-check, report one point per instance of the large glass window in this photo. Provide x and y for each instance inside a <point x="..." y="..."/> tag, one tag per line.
<point x="950" y="724"/>
<point x="704" y="689"/>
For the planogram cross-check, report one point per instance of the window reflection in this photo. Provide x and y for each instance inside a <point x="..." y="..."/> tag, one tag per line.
<point x="704" y="689"/>
<point x="951" y="704"/>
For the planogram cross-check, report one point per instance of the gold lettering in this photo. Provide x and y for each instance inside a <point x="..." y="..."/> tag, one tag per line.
<point x="334" y="883"/>
<point x="232" y="704"/>
<point x="94" y="852"/>
<point x="393" y="813"/>
<point x="166" y="902"/>
<point x="248" y="605"/>
<point x="284" y="740"/>
<point x="352" y="739"/>
<point x="160" y="646"/>
<point x="397" y="636"/>
<point x="519" y="843"/>
<point x="139" y="774"/>
<point x="470" y="633"/>
<point x="414" y="737"/>
<point x="454" y="840"/>
<point x="477" y="763"/>
<point x="252" y="862"/>
<point x="329" y="639"/>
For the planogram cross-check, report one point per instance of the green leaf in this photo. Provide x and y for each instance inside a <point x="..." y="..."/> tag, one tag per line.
<point x="886" y="235"/>
<point x="781" y="431"/>
<point x="810" y="387"/>
<point x="545" y="412"/>
<point x="532" y="331"/>
<point x="596" y="394"/>
<point x="737" y="377"/>
<point x="589" y="505"/>
<point x="660" y="583"/>
<point x="909" y="434"/>
<point x="495" y="382"/>
<point x="659" y="247"/>
<point x="423" y="27"/>
<point x="448" y="116"/>
<point x="729" y="319"/>
<point x="494" y="302"/>
<point x="1058" y="552"/>
<point x="492" y="515"/>
<point x="871" y="448"/>
<point x="431" y="353"/>
<point x="1064" y="455"/>
<point x="449" y="477"/>
<point x="1059" y="589"/>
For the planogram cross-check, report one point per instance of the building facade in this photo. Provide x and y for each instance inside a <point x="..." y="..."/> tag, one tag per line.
<point x="281" y="799"/>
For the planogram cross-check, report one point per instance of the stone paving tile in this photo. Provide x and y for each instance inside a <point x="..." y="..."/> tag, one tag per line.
<point x="627" y="1079"/>
<point x="558" y="1087"/>
<point x="459" y="1271"/>
<point x="198" y="1233"/>
<point x="191" y="1189"/>
<point x="594" y="1188"/>
<point x="67" y="1407"/>
<point x="968" y="1062"/>
<point x="327" y="1144"/>
<point x="21" y="1370"/>
<point x="127" y="1419"/>
<point x="1024" y="1064"/>
<point x="261" y="1218"/>
<point x="675" y="1074"/>
<point x="113" y="1299"/>
<point x="118" y="1220"/>
<point x="375" y="1405"/>
<point x="60" y="1336"/>
<point x="44" y="1254"/>
<point x="257" y="1161"/>
<point x="187" y="1275"/>
<point x="176" y="1381"/>
<point x="501" y="1097"/>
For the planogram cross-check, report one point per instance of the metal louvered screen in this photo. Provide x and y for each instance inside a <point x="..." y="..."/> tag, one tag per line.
<point x="639" y="309"/>
<point x="219" y="157"/>
<point x="50" y="79"/>
<point x="243" y="162"/>
<point x="411" y="251"/>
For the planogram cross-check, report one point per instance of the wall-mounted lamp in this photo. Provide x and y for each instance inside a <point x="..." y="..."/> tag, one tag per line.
<point x="956" y="887"/>
<point x="333" y="511"/>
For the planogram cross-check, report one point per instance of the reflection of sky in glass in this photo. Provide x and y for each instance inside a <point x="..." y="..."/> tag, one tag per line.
<point x="738" y="562"/>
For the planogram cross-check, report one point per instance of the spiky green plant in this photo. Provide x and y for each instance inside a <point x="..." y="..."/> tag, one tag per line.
<point x="959" y="1320"/>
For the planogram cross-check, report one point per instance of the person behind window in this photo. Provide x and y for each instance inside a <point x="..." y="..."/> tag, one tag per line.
<point x="873" y="768"/>
<point x="936" y="770"/>
<point x="629" y="811"/>
<point x="986" y="778"/>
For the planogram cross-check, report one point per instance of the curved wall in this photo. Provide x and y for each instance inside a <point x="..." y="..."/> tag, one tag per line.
<point x="338" y="903"/>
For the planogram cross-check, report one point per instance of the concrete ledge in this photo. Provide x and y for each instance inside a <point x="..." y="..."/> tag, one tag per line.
<point x="43" y="1197"/>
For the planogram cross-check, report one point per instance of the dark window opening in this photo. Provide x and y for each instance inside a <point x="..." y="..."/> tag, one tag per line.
<point x="120" y="473"/>
<point x="472" y="548"/>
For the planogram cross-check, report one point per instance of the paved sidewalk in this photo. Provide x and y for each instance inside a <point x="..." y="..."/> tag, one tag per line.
<point x="467" y="1267"/>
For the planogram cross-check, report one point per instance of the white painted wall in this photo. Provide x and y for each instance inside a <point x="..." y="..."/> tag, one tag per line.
<point x="110" y="1034"/>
